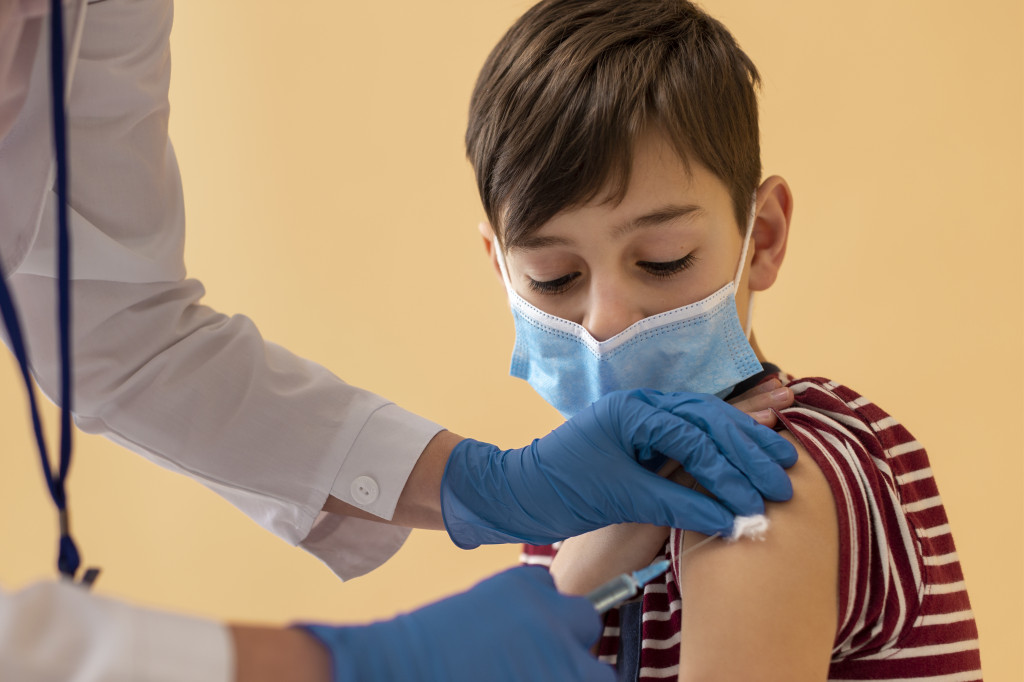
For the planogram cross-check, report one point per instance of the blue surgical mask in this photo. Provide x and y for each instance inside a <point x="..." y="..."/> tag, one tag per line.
<point x="700" y="348"/>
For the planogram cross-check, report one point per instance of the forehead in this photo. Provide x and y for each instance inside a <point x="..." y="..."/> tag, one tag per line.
<point x="662" y="186"/>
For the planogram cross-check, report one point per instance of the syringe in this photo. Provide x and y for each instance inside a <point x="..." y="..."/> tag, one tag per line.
<point x="623" y="587"/>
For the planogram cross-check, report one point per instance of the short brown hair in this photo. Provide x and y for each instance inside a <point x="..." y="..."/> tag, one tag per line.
<point x="569" y="88"/>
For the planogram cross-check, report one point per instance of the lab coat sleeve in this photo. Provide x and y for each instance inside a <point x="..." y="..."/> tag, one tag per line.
<point x="19" y="33"/>
<point x="53" y="632"/>
<point x="193" y="390"/>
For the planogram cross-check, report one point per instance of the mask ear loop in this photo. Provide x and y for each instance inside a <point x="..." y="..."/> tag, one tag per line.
<point x="504" y="269"/>
<point x="747" y="328"/>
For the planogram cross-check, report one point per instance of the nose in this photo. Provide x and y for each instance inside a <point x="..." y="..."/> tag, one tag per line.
<point x="609" y="311"/>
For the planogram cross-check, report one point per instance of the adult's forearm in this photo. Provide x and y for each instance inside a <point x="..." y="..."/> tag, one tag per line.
<point x="271" y="654"/>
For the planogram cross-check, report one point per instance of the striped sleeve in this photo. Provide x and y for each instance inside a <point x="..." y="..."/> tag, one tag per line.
<point x="904" y="610"/>
<point x="538" y="555"/>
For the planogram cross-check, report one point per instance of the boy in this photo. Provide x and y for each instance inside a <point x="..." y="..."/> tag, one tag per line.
<point x="616" y="153"/>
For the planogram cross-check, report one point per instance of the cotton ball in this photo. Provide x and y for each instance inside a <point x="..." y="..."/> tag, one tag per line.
<point x="752" y="527"/>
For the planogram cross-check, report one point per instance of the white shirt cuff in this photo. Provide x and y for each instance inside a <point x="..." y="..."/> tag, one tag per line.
<point x="58" y="631"/>
<point x="334" y="536"/>
<point x="171" y="647"/>
<point x="381" y="458"/>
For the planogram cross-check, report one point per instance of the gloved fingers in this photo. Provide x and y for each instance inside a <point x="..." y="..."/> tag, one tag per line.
<point x="767" y="441"/>
<point x="512" y="626"/>
<point x="699" y="454"/>
<point x="662" y="502"/>
<point x="584" y="622"/>
<point x="593" y="670"/>
<point x="531" y="577"/>
<point x="714" y="415"/>
<point x="756" y="451"/>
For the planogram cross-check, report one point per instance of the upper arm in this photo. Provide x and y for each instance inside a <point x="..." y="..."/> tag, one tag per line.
<point x="766" y="610"/>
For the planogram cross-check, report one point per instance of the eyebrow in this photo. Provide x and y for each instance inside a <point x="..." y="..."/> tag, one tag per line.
<point x="663" y="215"/>
<point x="660" y="216"/>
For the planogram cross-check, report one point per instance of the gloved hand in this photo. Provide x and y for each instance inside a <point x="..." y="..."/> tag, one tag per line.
<point x="511" y="627"/>
<point x="597" y="469"/>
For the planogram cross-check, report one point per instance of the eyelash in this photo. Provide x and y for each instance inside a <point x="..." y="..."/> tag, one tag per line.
<point x="554" y="286"/>
<point x="659" y="270"/>
<point x="664" y="270"/>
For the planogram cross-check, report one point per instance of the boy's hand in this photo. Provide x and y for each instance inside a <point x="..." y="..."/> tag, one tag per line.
<point x="598" y="469"/>
<point x="762" y="400"/>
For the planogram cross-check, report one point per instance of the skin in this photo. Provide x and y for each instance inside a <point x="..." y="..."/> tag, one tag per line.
<point x="275" y="654"/>
<point x="671" y="241"/>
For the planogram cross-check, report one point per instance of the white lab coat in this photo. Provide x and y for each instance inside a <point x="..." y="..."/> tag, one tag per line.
<point x="190" y="389"/>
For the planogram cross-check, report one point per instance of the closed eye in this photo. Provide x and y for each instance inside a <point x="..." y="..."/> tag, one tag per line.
<point x="668" y="269"/>
<point x="554" y="286"/>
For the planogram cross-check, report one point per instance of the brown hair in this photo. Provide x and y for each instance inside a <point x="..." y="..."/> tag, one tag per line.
<point x="569" y="88"/>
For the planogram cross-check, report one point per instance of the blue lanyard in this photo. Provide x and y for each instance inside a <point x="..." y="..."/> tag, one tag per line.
<point x="68" y="558"/>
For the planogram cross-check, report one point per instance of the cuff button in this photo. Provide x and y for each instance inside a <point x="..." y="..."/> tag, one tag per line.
<point x="364" y="490"/>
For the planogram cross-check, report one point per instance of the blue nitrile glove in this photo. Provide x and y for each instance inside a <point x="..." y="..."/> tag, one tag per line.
<point x="596" y="470"/>
<point x="511" y="627"/>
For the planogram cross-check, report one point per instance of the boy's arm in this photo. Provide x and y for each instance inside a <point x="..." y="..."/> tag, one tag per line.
<point x="766" y="610"/>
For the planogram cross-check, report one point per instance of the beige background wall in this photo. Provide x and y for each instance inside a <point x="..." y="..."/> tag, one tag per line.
<point x="329" y="200"/>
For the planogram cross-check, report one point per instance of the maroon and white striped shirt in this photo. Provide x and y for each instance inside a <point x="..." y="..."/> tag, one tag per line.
<point x="904" y="613"/>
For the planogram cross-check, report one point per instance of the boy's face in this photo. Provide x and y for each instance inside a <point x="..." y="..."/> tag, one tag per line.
<point x="672" y="241"/>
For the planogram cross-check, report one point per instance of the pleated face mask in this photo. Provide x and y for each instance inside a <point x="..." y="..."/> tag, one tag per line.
<point x="699" y="348"/>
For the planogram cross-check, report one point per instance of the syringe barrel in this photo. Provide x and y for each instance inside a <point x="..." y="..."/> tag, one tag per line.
<point x="613" y="592"/>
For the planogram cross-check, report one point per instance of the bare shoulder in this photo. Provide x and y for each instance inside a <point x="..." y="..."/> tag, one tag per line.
<point x="766" y="610"/>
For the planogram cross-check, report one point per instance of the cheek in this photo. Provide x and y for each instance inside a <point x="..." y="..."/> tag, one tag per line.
<point x="724" y="261"/>
<point x="569" y="305"/>
<point x="690" y="286"/>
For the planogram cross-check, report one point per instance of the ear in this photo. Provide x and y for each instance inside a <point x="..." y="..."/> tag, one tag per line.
<point x="771" y="232"/>
<point x="490" y="245"/>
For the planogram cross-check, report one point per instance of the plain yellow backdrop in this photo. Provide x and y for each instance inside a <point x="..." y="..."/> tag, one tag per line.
<point x="329" y="199"/>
